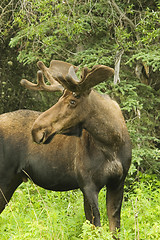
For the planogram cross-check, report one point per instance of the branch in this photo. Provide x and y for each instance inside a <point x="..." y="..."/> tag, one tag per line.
<point x="117" y="66"/>
<point x="132" y="25"/>
<point x="140" y="45"/>
<point x="4" y="10"/>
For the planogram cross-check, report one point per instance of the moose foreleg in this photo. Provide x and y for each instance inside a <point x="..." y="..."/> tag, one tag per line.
<point x="114" y="203"/>
<point x="7" y="190"/>
<point x="91" y="205"/>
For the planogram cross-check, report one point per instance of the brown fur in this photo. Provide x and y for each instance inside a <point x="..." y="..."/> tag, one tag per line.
<point x="103" y="149"/>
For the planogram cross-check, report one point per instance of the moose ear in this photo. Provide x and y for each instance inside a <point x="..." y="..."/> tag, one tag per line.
<point x="98" y="74"/>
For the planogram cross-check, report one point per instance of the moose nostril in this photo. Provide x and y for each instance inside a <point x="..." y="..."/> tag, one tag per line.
<point x="43" y="137"/>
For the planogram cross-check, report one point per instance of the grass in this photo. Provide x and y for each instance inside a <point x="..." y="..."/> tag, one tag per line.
<point x="35" y="213"/>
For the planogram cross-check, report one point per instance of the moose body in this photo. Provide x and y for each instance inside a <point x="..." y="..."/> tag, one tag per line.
<point x="84" y="144"/>
<point x="50" y="166"/>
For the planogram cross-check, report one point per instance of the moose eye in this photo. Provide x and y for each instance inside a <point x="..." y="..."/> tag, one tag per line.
<point x="72" y="102"/>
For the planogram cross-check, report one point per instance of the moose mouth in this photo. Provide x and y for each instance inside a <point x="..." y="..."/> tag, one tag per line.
<point x="42" y="137"/>
<point x="49" y="139"/>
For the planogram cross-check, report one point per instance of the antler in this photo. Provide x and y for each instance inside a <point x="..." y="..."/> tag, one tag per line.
<point x="41" y="86"/>
<point x="65" y="74"/>
<point x="89" y="78"/>
<point x="55" y="68"/>
<point x="50" y="73"/>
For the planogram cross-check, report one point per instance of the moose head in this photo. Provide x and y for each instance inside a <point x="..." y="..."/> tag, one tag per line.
<point x="72" y="108"/>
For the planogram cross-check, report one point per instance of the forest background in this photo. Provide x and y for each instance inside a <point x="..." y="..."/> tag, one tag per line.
<point x="124" y="35"/>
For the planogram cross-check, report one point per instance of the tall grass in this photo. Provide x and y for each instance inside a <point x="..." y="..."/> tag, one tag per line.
<point x="35" y="213"/>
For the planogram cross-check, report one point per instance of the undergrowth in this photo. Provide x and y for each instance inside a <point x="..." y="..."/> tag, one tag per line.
<point x="35" y="213"/>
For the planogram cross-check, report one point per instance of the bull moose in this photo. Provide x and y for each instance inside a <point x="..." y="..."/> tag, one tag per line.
<point x="84" y="141"/>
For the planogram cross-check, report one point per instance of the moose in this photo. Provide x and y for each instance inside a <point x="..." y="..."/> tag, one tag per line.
<point x="80" y="142"/>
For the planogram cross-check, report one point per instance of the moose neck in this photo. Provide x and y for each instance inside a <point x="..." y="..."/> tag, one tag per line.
<point x="105" y="122"/>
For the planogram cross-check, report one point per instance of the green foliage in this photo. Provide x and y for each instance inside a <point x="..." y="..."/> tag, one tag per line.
<point x="143" y="214"/>
<point x="35" y="213"/>
<point x="50" y="29"/>
<point x="148" y="26"/>
<point x="89" y="232"/>
<point x="150" y="56"/>
<point x="71" y="30"/>
<point x="148" y="29"/>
